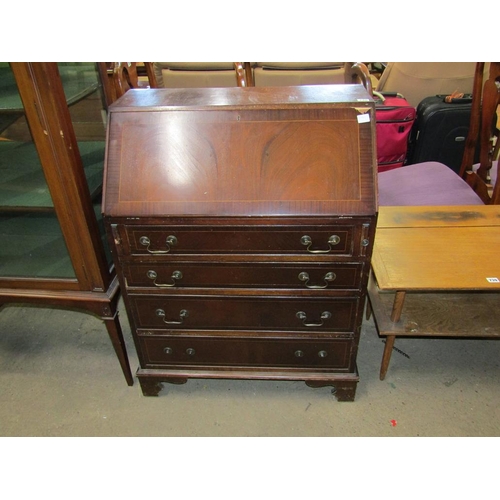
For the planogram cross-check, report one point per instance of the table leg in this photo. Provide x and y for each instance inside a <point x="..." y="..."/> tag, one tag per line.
<point x="397" y="306"/>
<point x="368" y="309"/>
<point x="386" y="358"/>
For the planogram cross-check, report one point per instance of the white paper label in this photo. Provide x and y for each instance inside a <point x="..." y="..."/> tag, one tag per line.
<point x="365" y="118"/>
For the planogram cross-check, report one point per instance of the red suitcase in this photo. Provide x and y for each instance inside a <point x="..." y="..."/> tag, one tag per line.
<point x="394" y="120"/>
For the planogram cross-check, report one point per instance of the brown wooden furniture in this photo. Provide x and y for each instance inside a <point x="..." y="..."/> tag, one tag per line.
<point x="484" y="133"/>
<point x="270" y="74"/>
<point x="52" y="249"/>
<point x="118" y="77"/>
<point x="436" y="273"/>
<point x="242" y="223"/>
<point x="200" y="74"/>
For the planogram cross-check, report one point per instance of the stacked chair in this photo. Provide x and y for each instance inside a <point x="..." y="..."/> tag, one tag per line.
<point x="259" y="74"/>
<point x="200" y="74"/>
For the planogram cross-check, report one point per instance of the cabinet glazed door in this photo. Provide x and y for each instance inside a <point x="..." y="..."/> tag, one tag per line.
<point x="32" y="239"/>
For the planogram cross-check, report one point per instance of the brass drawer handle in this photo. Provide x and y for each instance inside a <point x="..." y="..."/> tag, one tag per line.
<point x="182" y="314"/>
<point x="303" y="316"/>
<point x="327" y="277"/>
<point x="152" y="275"/>
<point x="332" y="241"/>
<point x="170" y="242"/>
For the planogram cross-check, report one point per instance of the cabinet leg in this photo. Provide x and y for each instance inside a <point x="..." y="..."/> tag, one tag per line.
<point x="116" y="335"/>
<point x="152" y="386"/>
<point x="345" y="391"/>
<point x="342" y="390"/>
<point x="386" y="358"/>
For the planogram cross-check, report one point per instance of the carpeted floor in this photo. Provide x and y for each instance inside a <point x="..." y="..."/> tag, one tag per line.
<point x="59" y="377"/>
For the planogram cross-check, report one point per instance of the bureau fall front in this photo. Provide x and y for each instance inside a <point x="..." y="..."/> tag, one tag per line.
<point x="242" y="223"/>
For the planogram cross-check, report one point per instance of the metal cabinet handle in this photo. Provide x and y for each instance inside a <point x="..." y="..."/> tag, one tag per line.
<point x="182" y="314"/>
<point x="152" y="275"/>
<point x="170" y="242"/>
<point x="327" y="277"/>
<point x="332" y="241"/>
<point x="303" y="316"/>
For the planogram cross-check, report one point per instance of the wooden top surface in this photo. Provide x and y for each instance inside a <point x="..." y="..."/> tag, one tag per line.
<point x="239" y="97"/>
<point x="437" y="248"/>
<point x="281" y="151"/>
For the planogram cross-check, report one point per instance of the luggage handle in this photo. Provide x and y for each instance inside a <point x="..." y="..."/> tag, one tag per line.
<point x="382" y="95"/>
<point x="457" y="98"/>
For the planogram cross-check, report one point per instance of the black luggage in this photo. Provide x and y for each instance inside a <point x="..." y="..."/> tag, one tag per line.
<point x="440" y="131"/>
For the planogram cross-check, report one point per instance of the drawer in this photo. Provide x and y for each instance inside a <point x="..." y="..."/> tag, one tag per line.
<point x="239" y="313"/>
<point x="216" y="351"/>
<point x="271" y="275"/>
<point x="178" y="240"/>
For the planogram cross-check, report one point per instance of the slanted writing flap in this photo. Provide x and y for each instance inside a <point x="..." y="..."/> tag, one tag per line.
<point x="247" y="159"/>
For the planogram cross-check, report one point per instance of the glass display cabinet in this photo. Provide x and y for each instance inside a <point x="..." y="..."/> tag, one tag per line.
<point x="53" y="249"/>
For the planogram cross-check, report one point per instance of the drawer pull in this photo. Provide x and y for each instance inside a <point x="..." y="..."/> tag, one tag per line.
<point x="303" y="316"/>
<point x="170" y="241"/>
<point x="182" y="314"/>
<point x="299" y="354"/>
<point x="176" y="275"/>
<point x="322" y="354"/>
<point x="327" y="277"/>
<point x="190" y="351"/>
<point x="168" y="350"/>
<point x="332" y="241"/>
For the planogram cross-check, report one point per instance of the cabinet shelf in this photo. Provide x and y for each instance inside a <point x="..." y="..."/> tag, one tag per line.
<point x="22" y="182"/>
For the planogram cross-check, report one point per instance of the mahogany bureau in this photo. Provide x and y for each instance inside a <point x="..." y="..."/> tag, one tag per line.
<point x="241" y="222"/>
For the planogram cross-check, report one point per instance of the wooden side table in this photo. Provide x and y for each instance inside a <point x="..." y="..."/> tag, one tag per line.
<point x="435" y="273"/>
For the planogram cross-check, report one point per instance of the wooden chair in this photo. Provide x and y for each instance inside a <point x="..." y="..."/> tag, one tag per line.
<point x="433" y="183"/>
<point x="484" y="132"/>
<point x="201" y="74"/>
<point x="269" y="74"/>
<point x="118" y="77"/>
